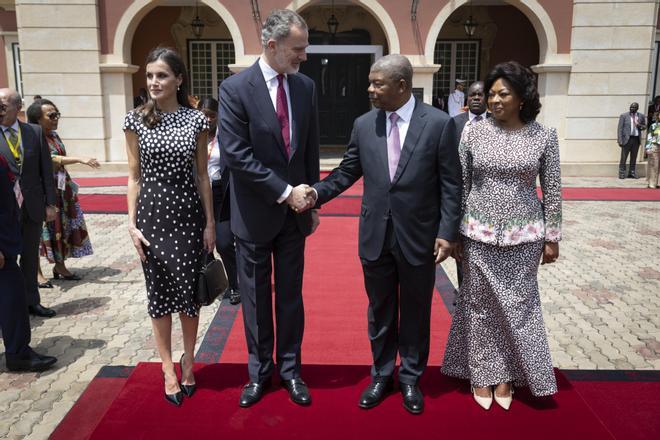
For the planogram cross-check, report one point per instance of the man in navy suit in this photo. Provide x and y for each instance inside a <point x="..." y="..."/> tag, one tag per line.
<point x="14" y="319"/>
<point x="25" y="149"/>
<point x="406" y="151"/>
<point x="476" y="103"/>
<point x="270" y="141"/>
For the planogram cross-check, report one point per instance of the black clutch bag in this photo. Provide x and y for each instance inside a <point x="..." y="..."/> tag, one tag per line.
<point x="211" y="281"/>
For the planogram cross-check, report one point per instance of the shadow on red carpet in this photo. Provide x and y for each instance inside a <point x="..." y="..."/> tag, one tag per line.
<point x="140" y="410"/>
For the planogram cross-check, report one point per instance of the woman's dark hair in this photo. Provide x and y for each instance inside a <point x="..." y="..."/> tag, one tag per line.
<point x="34" y="112"/>
<point x="523" y="81"/>
<point x="209" y="103"/>
<point x="173" y="60"/>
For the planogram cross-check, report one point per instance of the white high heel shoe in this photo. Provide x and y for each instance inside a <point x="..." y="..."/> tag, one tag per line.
<point x="504" y="401"/>
<point x="484" y="402"/>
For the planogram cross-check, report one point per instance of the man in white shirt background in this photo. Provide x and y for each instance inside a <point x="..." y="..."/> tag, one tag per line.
<point x="456" y="99"/>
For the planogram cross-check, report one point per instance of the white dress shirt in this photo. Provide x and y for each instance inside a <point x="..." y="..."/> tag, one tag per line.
<point x="270" y="76"/>
<point x="405" y="114"/>
<point x="214" y="159"/>
<point x="633" y="125"/>
<point x="455" y="102"/>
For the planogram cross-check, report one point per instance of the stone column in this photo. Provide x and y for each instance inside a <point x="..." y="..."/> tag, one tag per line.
<point x="611" y="48"/>
<point x="117" y="87"/>
<point x="59" y="42"/>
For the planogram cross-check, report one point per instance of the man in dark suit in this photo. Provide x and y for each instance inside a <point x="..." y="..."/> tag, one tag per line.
<point x="476" y="103"/>
<point x="270" y="142"/>
<point x="629" y="132"/>
<point x="407" y="153"/>
<point x="14" y="319"/>
<point x="26" y="151"/>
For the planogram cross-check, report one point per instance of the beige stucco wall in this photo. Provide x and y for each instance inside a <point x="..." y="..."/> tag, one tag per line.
<point x="60" y="60"/>
<point x="611" y="48"/>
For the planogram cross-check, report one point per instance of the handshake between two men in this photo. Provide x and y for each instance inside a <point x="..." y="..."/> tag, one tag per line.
<point x="302" y="198"/>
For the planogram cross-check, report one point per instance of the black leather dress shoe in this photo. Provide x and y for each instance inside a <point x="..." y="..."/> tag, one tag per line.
<point x="375" y="393"/>
<point x="298" y="391"/>
<point x="39" y="310"/>
<point x="234" y="297"/>
<point x="252" y="393"/>
<point x="413" y="400"/>
<point x="31" y="362"/>
<point x="633" y="175"/>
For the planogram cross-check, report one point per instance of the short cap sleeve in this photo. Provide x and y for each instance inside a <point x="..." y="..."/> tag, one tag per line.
<point x="130" y="122"/>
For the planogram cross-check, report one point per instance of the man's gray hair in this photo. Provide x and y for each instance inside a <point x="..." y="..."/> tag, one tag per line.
<point x="395" y="67"/>
<point x="278" y="25"/>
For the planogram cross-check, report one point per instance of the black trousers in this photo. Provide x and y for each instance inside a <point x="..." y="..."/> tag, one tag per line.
<point x="30" y="234"/>
<point x="399" y="313"/>
<point x="224" y="244"/>
<point x="14" y="319"/>
<point x="285" y="256"/>
<point x="631" y="147"/>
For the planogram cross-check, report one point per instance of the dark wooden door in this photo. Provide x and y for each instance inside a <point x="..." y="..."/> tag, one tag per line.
<point x="341" y="84"/>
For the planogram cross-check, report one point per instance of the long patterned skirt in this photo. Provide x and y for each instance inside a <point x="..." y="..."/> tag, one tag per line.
<point x="497" y="333"/>
<point x="66" y="236"/>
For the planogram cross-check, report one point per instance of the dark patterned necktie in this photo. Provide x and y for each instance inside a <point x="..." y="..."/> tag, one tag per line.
<point x="282" y="110"/>
<point x="16" y="149"/>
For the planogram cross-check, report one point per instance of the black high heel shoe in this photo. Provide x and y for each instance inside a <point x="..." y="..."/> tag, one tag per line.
<point x="176" y="398"/>
<point x="188" y="390"/>
<point x="72" y="277"/>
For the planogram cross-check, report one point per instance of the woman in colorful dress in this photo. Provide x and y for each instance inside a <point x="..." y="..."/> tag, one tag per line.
<point x="66" y="236"/>
<point x="652" y="149"/>
<point x="170" y="212"/>
<point x="497" y="337"/>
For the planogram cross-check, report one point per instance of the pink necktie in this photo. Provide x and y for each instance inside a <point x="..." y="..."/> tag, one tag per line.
<point x="393" y="145"/>
<point x="282" y="110"/>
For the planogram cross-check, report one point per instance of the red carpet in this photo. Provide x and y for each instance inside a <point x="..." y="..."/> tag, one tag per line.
<point x="140" y="411"/>
<point x="336" y="303"/>
<point x="101" y="181"/>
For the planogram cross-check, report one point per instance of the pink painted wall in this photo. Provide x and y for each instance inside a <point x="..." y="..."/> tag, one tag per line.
<point x="7" y="24"/>
<point x="560" y="12"/>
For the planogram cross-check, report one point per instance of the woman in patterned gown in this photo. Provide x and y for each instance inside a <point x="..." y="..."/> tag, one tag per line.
<point x="170" y="213"/>
<point x="66" y="236"/>
<point x="497" y="337"/>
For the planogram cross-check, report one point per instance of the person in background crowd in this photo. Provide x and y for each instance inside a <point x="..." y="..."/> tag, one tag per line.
<point x="654" y="108"/>
<point x="14" y="318"/>
<point x="224" y="238"/>
<point x="497" y="337"/>
<point x="439" y="103"/>
<point x="141" y="98"/>
<point x="269" y="136"/>
<point x="66" y="236"/>
<point x="652" y="149"/>
<point x="456" y="99"/>
<point x="629" y="132"/>
<point x="170" y="214"/>
<point x="476" y="102"/>
<point x="25" y="148"/>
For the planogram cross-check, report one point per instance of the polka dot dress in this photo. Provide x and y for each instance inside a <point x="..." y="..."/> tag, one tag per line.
<point x="169" y="210"/>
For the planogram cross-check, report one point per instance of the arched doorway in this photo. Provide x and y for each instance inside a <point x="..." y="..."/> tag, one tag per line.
<point x="502" y="33"/>
<point x="339" y="64"/>
<point x="207" y="56"/>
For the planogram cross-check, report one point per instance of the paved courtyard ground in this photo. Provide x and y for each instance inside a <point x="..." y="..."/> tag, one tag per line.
<point x="601" y="304"/>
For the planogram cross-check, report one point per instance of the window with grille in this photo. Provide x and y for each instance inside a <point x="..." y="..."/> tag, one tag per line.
<point x="459" y="59"/>
<point x="208" y="65"/>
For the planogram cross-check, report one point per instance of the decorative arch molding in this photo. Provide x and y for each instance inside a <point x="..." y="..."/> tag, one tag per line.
<point x="534" y="12"/>
<point x="134" y="14"/>
<point x="375" y="8"/>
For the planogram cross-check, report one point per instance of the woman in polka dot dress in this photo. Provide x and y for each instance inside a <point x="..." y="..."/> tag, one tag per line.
<point x="170" y="215"/>
<point x="497" y="336"/>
